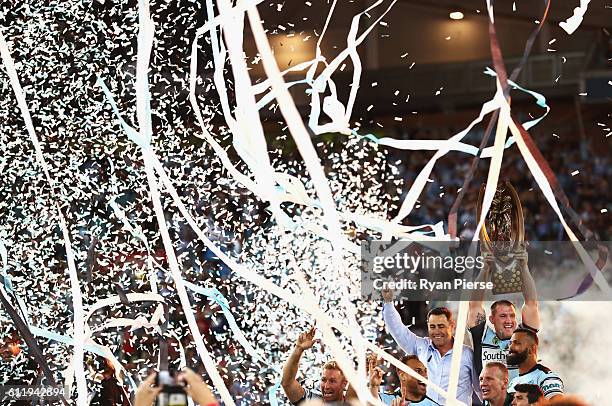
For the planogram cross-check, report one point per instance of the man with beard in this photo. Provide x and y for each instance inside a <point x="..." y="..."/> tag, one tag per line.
<point x="523" y="353"/>
<point x="411" y="391"/>
<point x="494" y="384"/>
<point x="491" y="344"/>
<point x="526" y="395"/>
<point x="435" y="351"/>
<point x="333" y="382"/>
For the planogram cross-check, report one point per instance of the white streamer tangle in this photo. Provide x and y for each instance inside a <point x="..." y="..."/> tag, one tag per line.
<point x="276" y="187"/>
<point x="143" y="139"/>
<point x="572" y="23"/>
<point x="77" y="302"/>
<point x="265" y="284"/>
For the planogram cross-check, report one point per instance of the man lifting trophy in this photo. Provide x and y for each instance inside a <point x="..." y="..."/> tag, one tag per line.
<point x="502" y="238"/>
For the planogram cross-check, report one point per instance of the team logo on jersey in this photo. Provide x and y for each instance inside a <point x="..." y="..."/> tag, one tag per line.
<point x="497" y="356"/>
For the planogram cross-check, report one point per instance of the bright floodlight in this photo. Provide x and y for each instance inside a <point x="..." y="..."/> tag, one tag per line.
<point x="456" y="15"/>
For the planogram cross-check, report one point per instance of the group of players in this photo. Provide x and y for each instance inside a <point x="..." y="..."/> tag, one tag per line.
<point x="502" y="368"/>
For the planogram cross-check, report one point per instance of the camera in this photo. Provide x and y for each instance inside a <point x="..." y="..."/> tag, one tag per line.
<point x="172" y="393"/>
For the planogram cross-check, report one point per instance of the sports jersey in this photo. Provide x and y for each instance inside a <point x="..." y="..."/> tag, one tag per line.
<point x="548" y="381"/>
<point x="490" y="348"/>
<point x="313" y="394"/>
<point x="387" y="398"/>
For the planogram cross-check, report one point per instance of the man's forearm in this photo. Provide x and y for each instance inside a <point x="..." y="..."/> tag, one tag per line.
<point x="483" y="276"/>
<point x="291" y="366"/>
<point x="402" y="335"/>
<point x="531" y="312"/>
<point x="476" y="313"/>
<point x="529" y="288"/>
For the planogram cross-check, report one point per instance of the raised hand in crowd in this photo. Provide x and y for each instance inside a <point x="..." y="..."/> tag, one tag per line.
<point x="196" y="388"/>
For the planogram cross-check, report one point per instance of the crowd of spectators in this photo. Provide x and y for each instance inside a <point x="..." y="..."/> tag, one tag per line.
<point x="588" y="190"/>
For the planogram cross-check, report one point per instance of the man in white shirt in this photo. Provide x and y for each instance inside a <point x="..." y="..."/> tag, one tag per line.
<point x="435" y="351"/>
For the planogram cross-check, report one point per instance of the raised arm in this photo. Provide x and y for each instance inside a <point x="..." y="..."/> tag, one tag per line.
<point x="476" y="312"/>
<point x="291" y="386"/>
<point x="197" y="389"/>
<point x="530" y="314"/>
<point x="375" y="380"/>
<point x="393" y="322"/>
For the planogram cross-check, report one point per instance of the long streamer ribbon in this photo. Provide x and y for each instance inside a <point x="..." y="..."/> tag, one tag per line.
<point x="77" y="360"/>
<point x="258" y="280"/>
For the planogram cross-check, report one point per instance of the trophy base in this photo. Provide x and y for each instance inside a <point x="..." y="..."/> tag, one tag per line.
<point x="507" y="280"/>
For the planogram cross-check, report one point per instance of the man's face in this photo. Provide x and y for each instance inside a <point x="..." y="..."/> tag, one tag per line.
<point x="440" y="330"/>
<point x="413" y="385"/>
<point x="519" y="350"/>
<point x="503" y="319"/>
<point x="520" y="399"/>
<point x="492" y="383"/>
<point x="333" y="383"/>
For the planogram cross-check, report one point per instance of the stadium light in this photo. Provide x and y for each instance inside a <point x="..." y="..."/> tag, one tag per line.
<point x="456" y="15"/>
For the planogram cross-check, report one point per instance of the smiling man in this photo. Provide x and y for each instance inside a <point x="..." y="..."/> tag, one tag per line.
<point x="435" y="351"/>
<point x="491" y="344"/>
<point x="333" y="381"/>
<point x="523" y="353"/>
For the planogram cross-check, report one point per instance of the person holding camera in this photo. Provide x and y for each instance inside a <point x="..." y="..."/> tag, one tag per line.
<point x="193" y="384"/>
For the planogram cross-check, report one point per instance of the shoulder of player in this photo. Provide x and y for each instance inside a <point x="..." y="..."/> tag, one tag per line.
<point x="541" y="374"/>
<point x="429" y="401"/>
<point x="547" y="371"/>
<point x="310" y="394"/>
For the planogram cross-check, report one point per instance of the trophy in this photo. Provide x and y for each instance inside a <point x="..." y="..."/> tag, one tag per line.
<point x="502" y="234"/>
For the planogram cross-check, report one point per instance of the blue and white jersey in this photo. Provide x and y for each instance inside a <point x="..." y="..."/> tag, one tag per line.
<point x="387" y="398"/>
<point x="490" y="348"/>
<point x="314" y="394"/>
<point x="548" y="381"/>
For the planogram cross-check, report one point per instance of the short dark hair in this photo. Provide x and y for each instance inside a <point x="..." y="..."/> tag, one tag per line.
<point x="532" y="334"/>
<point x="441" y="311"/>
<point x="500" y="366"/>
<point x="409" y="357"/>
<point x="534" y="393"/>
<point x="406" y="359"/>
<point x="502" y="303"/>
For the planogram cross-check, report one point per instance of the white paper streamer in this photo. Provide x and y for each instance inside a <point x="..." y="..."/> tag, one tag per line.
<point x="77" y="303"/>
<point x="572" y="23"/>
<point x="258" y="280"/>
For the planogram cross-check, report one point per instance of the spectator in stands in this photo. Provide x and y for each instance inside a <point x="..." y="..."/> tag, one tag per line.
<point x="195" y="387"/>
